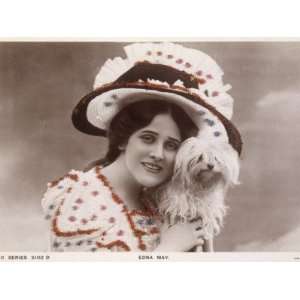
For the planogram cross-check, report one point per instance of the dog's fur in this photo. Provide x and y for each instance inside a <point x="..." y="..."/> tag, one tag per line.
<point x="202" y="174"/>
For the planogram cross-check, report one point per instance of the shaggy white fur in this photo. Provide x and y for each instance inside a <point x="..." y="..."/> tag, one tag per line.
<point x="202" y="174"/>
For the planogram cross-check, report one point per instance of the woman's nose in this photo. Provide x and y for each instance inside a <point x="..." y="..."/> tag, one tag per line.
<point x="157" y="152"/>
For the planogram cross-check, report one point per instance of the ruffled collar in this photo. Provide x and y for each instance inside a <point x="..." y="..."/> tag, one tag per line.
<point x="150" y="208"/>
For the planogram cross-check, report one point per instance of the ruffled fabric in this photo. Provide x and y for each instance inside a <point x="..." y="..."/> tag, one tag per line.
<point x="85" y="214"/>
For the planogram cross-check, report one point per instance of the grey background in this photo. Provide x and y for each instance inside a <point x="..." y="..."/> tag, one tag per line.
<point x="40" y="83"/>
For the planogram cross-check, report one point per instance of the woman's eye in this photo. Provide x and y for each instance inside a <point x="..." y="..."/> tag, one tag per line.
<point x="148" y="139"/>
<point x="171" y="146"/>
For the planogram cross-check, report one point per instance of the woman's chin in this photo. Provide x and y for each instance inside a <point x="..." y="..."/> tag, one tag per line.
<point x="151" y="181"/>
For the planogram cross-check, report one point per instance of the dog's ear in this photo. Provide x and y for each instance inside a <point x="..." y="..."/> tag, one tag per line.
<point x="232" y="165"/>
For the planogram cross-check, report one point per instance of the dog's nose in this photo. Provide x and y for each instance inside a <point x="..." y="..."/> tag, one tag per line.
<point x="210" y="166"/>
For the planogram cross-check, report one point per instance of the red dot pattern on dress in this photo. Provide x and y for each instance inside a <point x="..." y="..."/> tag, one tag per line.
<point x="74" y="207"/>
<point x="199" y="73"/>
<point x="103" y="207"/>
<point x="111" y="220"/>
<point x="84" y="221"/>
<point x="72" y="219"/>
<point x="73" y="177"/>
<point x="170" y="56"/>
<point x="187" y="65"/>
<point x="120" y="233"/>
<point x="159" y="53"/>
<point x="149" y="53"/>
<point x="79" y="201"/>
<point x="69" y="190"/>
<point x="179" y="61"/>
<point x="215" y="94"/>
<point x="118" y="200"/>
<point x="209" y="76"/>
<point x="94" y="217"/>
<point x="85" y="183"/>
<point x="95" y="193"/>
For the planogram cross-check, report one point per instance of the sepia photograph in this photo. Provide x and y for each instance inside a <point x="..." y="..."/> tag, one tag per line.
<point x="150" y="147"/>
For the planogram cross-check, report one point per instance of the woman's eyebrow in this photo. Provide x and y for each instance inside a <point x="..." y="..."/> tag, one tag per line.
<point x="149" y="131"/>
<point x="173" y="139"/>
<point x="156" y="133"/>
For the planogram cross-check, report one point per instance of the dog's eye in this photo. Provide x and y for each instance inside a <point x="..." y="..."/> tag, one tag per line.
<point x="200" y="158"/>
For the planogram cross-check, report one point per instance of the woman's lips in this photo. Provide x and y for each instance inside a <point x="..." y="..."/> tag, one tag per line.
<point x="151" y="167"/>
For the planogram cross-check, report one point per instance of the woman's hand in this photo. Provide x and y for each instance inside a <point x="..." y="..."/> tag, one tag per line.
<point x="180" y="237"/>
<point x="207" y="244"/>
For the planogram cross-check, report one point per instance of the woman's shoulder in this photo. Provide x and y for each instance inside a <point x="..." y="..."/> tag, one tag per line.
<point x="79" y="184"/>
<point x="74" y="177"/>
<point x="78" y="202"/>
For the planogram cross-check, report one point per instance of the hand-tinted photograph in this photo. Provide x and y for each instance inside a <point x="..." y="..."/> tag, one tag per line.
<point x="150" y="147"/>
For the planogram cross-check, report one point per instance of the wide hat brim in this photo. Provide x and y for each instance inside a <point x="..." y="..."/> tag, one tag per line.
<point x="133" y="86"/>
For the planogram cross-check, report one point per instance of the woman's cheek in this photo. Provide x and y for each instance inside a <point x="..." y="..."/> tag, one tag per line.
<point x="171" y="160"/>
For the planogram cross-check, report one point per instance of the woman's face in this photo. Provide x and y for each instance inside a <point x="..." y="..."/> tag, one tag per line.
<point x="150" y="151"/>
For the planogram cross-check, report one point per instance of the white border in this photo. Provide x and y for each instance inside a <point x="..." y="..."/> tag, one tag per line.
<point x="149" y="257"/>
<point x="89" y="20"/>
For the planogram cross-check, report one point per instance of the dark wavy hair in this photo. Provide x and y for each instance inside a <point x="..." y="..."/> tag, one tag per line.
<point x="138" y="115"/>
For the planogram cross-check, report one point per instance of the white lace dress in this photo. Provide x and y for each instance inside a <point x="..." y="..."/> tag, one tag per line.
<point x="85" y="214"/>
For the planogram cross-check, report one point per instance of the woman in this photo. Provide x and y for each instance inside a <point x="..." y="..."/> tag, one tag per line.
<point x="146" y="105"/>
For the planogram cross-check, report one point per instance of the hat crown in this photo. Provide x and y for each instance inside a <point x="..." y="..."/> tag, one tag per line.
<point x="200" y="66"/>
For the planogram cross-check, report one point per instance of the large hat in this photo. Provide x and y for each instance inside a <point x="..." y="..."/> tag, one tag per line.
<point x="184" y="76"/>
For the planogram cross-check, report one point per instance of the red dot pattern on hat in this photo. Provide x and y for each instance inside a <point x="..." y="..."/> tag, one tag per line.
<point x="187" y="65"/>
<point x="201" y="112"/>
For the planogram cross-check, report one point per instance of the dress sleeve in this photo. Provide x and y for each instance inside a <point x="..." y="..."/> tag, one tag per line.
<point x="78" y="209"/>
<point x="55" y="191"/>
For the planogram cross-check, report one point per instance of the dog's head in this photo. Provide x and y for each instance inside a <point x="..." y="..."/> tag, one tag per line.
<point x="202" y="173"/>
<point x="205" y="163"/>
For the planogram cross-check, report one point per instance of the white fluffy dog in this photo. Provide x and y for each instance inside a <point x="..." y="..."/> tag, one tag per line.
<point x="202" y="174"/>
